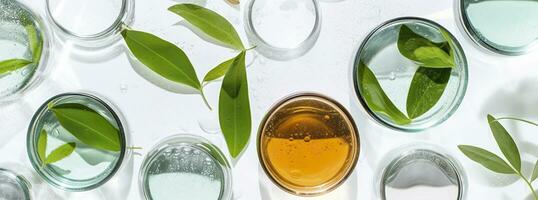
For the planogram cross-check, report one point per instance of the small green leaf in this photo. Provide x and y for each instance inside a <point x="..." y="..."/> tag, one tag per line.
<point x="211" y="23"/>
<point x="486" y="159"/>
<point x="60" y="153"/>
<point x="506" y="143"/>
<point x="234" y="107"/>
<point x="12" y="65"/>
<point x="162" y="57"/>
<point x="219" y="70"/>
<point x="535" y="172"/>
<point x="376" y="98"/>
<point x="426" y="89"/>
<point x="423" y="51"/>
<point x="42" y="145"/>
<point x="88" y="126"/>
<point x="36" y="44"/>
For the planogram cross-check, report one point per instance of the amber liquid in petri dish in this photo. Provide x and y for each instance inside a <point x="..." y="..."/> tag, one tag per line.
<point x="308" y="145"/>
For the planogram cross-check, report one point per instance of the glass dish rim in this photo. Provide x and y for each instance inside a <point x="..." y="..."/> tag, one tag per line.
<point x="325" y="99"/>
<point x="126" y="6"/>
<point x="471" y="33"/>
<point x="460" y="93"/>
<point x="410" y="149"/>
<point x="281" y="53"/>
<point x="20" y="180"/>
<point x="124" y="154"/>
<point x="42" y="67"/>
<point x="191" y="140"/>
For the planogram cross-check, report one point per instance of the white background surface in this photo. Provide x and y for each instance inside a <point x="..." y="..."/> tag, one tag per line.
<point x="498" y="85"/>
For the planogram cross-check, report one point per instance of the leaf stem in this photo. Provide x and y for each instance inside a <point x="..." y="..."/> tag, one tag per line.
<point x="253" y="47"/>
<point x="205" y="99"/>
<point x="516" y="119"/>
<point x="135" y="148"/>
<point x="529" y="185"/>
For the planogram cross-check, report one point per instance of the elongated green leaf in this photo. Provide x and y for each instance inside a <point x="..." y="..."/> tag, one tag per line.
<point x="219" y="70"/>
<point x="423" y="51"/>
<point x="162" y="57"/>
<point x="12" y="65"/>
<point x="60" y="153"/>
<point x="376" y="98"/>
<point x="36" y="44"/>
<point x="486" y="159"/>
<point x="88" y="126"/>
<point x="506" y="143"/>
<point x="211" y="23"/>
<point x="42" y="145"/>
<point x="234" y="107"/>
<point x="426" y="89"/>
<point x="535" y="172"/>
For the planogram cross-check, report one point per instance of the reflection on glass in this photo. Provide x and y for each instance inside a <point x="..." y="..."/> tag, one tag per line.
<point x="13" y="186"/>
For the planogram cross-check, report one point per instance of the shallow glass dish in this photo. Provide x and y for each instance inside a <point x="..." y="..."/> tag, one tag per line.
<point x="185" y="167"/>
<point x="421" y="174"/>
<point x="506" y="27"/>
<point x="17" y="25"/>
<point x="308" y="144"/>
<point x="282" y="29"/>
<point x="13" y="186"/>
<point x="394" y="73"/>
<point x="89" y="165"/>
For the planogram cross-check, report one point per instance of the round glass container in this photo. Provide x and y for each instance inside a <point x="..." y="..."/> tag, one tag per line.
<point x="77" y="142"/>
<point x="282" y="29"/>
<point x="23" y="37"/>
<point x="14" y="186"/>
<point x="383" y="76"/>
<point x="93" y="22"/>
<point x="507" y="27"/>
<point x="421" y="174"/>
<point x="308" y="144"/>
<point x="185" y="167"/>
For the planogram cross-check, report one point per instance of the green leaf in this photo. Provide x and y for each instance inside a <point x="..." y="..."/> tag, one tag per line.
<point x="376" y="98"/>
<point x="162" y="57"/>
<point x="88" y="126"/>
<point x="234" y="108"/>
<point x="219" y="70"/>
<point x="42" y="145"/>
<point x="486" y="159"/>
<point x="12" y="65"/>
<point x="506" y="143"/>
<point x="60" y="153"/>
<point x="36" y="44"/>
<point x="211" y="23"/>
<point x="535" y="172"/>
<point x="423" y="51"/>
<point x="426" y="89"/>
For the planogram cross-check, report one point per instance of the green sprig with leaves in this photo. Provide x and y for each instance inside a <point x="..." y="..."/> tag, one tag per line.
<point x="36" y="48"/>
<point x="509" y="150"/>
<point x="435" y="60"/>
<point x="171" y="63"/>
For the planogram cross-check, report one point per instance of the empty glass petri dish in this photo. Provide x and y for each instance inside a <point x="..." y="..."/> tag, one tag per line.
<point x="506" y="27"/>
<point x="24" y="39"/>
<point x="77" y="142"/>
<point x="14" y="186"/>
<point x="410" y="74"/>
<point x="185" y="167"/>
<point x="308" y="144"/>
<point x="421" y="174"/>
<point x="282" y="29"/>
<point x="93" y="23"/>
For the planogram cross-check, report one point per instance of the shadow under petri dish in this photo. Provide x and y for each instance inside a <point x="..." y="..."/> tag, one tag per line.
<point x="422" y="175"/>
<point x="504" y="26"/>
<point x="308" y="145"/>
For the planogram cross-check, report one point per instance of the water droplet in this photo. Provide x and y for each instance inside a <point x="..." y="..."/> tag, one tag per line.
<point x="392" y="76"/>
<point x="209" y="125"/>
<point x="291" y="139"/>
<point x="326" y="117"/>
<point x="307" y="138"/>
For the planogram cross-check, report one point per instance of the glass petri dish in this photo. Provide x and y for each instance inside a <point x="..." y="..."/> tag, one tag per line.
<point x="308" y="144"/>
<point x="421" y="174"/>
<point x="185" y="167"/>
<point x="506" y="27"/>
<point x="23" y="37"/>
<point x="383" y="76"/>
<point x="14" y="186"/>
<point x="89" y="130"/>
<point x="93" y="23"/>
<point x="282" y="29"/>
